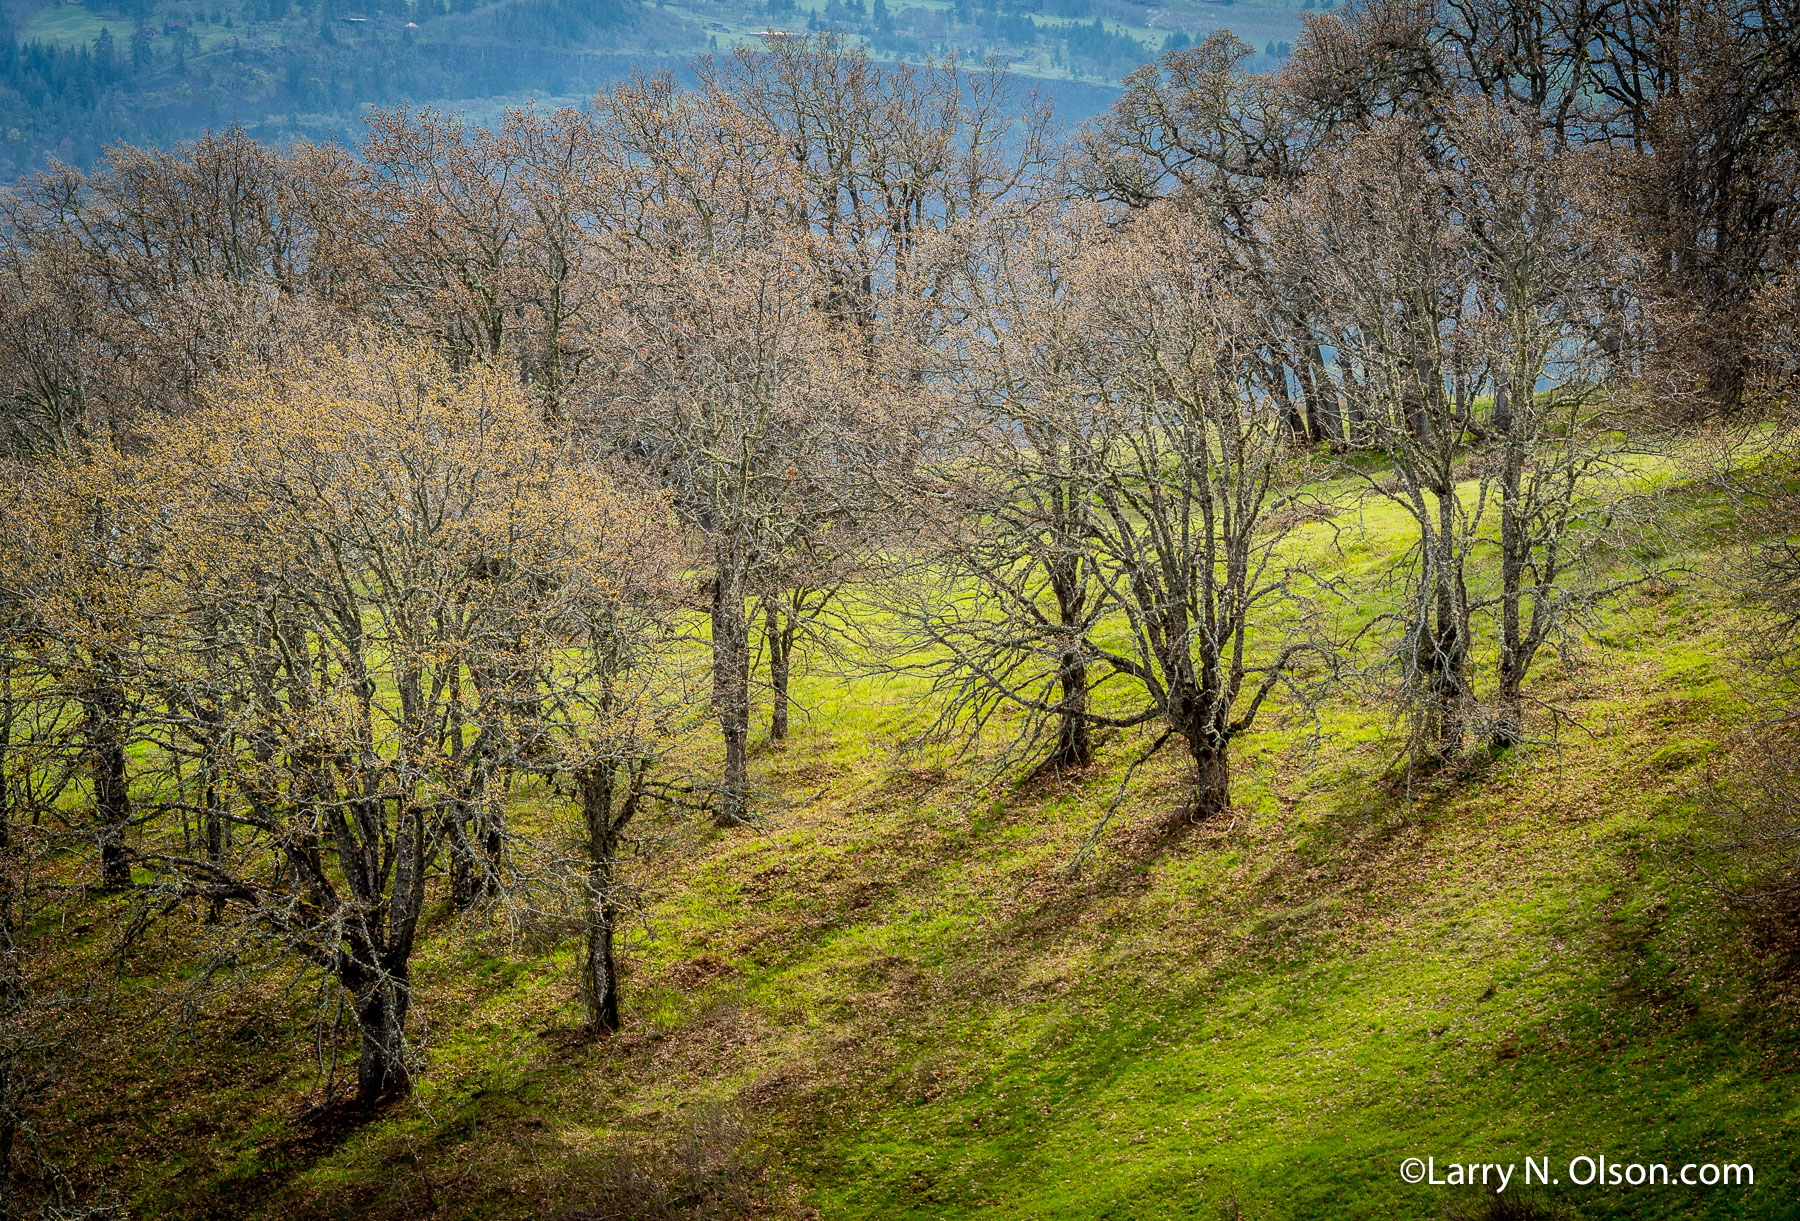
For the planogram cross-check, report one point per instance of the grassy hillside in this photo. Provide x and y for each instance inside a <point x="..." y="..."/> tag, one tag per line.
<point x="892" y="999"/>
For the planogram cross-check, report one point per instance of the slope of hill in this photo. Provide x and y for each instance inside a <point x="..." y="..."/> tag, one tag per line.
<point x="893" y="999"/>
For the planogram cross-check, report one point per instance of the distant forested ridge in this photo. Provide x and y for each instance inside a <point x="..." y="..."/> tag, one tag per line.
<point x="76" y="76"/>
<point x="172" y="79"/>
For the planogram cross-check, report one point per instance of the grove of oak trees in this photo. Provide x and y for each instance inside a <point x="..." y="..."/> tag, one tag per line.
<point x="348" y="491"/>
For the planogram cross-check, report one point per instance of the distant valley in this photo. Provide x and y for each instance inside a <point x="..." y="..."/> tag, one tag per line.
<point x="76" y="76"/>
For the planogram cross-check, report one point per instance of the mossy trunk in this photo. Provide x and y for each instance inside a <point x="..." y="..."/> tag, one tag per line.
<point x="600" y="975"/>
<point x="112" y="796"/>
<point x="599" y="970"/>
<point x="780" y="633"/>
<point x="1447" y="640"/>
<point x="1515" y="655"/>
<point x="731" y="688"/>
<point x="380" y="1001"/>
<point x="1212" y="775"/>
<point x="1074" y="735"/>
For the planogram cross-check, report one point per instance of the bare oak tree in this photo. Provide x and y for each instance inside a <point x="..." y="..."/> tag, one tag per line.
<point x="368" y="553"/>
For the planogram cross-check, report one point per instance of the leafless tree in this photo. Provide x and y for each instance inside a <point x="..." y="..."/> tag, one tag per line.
<point x="1190" y="460"/>
<point x="1482" y="301"/>
<point x="1130" y="452"/>
<point x="893" y="169"/>
<point x="999" y="593"/>
<point x="1703" y="94"/>
<point x="369" y="553"/>
<point x="729" y="385"/>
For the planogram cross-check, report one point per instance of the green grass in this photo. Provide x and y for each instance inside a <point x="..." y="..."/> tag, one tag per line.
<point x="917" y="1012"/>
<point x="72" y="25"/>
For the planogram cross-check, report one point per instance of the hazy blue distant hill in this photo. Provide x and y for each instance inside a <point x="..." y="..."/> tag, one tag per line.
<point x="76" y="75"/>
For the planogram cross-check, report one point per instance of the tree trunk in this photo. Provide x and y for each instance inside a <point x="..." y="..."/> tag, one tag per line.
<point x="492" y="844"/>
<point x="1447" y="642"/>
<point x="731" y="689"/>
<point x="215" y="842"/>
<point x="780" y="633"/>
<point x="734" y="803"/>
<point x="1212" y="775"/>
<point x="1074" y="737"/>
<point x="212" y="768"/>
<point x="1357" y="430"/>
<point x="599" y="975"/>
<point x="381" y="1002"/>
<point x="463" y="879"/>
<point x="112" y="797"/>
<point x="12" y="984"/>
<point x="1509" y="729"/>
<point x="1324" y="417"/>
<point x="9" y="1131"/>
<point x="1285" y="405"/>
<point x="462" y="860"/>
<point x="1446" y="689"/>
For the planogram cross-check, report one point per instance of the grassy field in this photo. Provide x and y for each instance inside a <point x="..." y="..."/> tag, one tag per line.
<point x="891" y="999"/>
<point x="73" y="25"/>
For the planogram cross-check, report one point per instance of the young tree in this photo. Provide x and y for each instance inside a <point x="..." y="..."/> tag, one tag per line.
<point x="621" y="705"/>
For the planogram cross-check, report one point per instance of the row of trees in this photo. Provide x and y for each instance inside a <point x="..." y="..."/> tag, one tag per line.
<point x="350" y="490"/>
